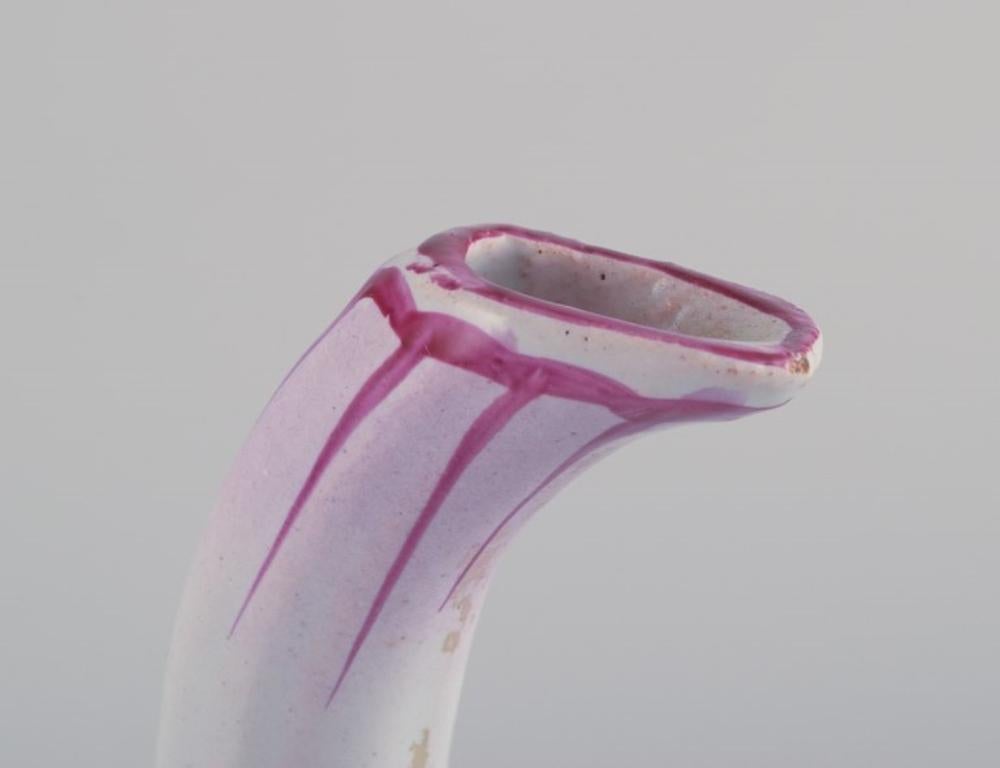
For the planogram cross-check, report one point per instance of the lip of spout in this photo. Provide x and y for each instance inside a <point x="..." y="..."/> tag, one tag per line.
<point x="662" y="328"/>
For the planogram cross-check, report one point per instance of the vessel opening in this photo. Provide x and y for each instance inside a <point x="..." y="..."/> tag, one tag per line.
<point x="619" y="288"/>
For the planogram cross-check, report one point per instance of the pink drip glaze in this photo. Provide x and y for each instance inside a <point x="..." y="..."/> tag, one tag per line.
<point x="456" y="342"/>
<point x="477" y="437"/>
<point x="606" y="437"/>
<point x="685" y="410"/>
<point x="385" y="378"/>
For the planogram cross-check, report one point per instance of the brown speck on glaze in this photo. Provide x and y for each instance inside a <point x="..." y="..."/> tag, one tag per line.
<point x="420" y="750"/>
<point x="799" y="365"/>
<point x="464" y="608"/>
<point x="451" y="641"/>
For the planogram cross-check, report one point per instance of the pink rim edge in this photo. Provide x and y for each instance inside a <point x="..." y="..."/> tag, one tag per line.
<point x="448" y="250"/>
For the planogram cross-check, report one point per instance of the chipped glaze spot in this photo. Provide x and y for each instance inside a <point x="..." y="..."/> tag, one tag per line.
<point x="420" y="750"/>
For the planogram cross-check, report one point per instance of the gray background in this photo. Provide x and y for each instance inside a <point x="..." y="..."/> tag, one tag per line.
<point x="191" y="190"/>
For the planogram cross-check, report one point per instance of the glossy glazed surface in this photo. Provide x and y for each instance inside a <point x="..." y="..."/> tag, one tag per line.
<point x="328" y="617"/>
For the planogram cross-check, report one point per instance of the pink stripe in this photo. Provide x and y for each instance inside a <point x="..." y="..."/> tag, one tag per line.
<point x="684" y="410"/>
<point x="483" y="429"/>
<point x="607" y="436"/>
<point x="388" y="375"/>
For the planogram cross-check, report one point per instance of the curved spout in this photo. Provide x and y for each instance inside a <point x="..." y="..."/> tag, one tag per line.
<point x="328" y="615"/>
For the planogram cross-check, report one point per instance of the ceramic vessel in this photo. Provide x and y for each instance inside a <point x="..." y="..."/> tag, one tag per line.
<point x="329" y="613"/>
